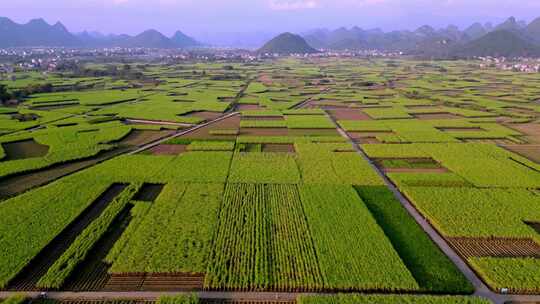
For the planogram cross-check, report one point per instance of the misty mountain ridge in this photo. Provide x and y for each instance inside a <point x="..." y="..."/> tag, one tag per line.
<point x="511" y="37"/>
<point x="505" y="42"/>
<point x="37" y="32"/>
<point x="475" y="40"/>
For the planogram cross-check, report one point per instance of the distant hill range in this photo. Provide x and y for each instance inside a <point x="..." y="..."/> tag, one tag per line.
<point x="37" y="32"/>
<point x="505" y="43"/>
<point x="287" y="44"/>
<point x="510" y="38"/>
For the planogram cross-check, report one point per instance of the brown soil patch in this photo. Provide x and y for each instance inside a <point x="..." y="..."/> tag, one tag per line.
<point x="311" y="104"/>
<point x="495" y="247"/>
<point x="531" y="130"/>
<point x="173" y="282"/>
<point x="127" y="282"/>
<point x="264" y="131"/>
<point x="141" y="137"/>
<point x="367" y="137"/>
<point x="155" y="282"/>
<point x="348" y="114"/>
<point x="520" y="110"/>
<point x="248" y="107"/>
<point x="232" y="122"/>
<point x="531" y="152"/>
<point x="503" y="120"/>
<point x="367" y="140"/>
<point x="24" y="149"/>
<point x="281" y="148"/>
<point x="166" y="149"/>
<point x="375" y="106"/>
<point x="266" y="80"/>
<point x="434" y="116"/>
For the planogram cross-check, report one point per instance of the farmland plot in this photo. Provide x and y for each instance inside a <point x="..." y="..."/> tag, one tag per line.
<point x="43" y="213"/>
<point x="175" y="235"/>
<point x="264" y="168"/>
<point x="263" y="241"/>
<point x="343" y="229"/>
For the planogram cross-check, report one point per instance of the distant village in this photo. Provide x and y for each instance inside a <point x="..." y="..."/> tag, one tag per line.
<point x="50" y="59"/>
<point x="524" y="65"/>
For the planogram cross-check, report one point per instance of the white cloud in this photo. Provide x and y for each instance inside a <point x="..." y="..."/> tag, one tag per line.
<point x="291" y="5"/>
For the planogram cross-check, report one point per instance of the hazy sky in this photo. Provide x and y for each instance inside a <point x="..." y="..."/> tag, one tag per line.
<point x="197" y="17"/>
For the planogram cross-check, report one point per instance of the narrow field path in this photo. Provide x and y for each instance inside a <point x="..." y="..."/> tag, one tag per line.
<point x="153" y="295"/>
<point x="11" y="186"/>
<point x="221" y="295"/>
<point x="481" y="288"/>
<point x="307" y="101"/>
<point x="180" y="133"/>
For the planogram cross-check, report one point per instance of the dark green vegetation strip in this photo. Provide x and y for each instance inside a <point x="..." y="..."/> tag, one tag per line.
<point x="79" y="249"/>
<point x="433" y="271"/>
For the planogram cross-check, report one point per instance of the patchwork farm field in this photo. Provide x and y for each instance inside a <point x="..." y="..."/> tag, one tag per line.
<point x="357" y="181"/>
